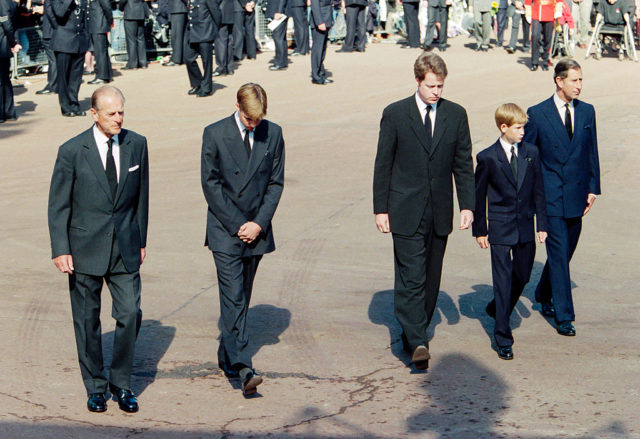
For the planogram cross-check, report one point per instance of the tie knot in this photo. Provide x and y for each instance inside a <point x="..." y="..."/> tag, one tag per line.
<point x="428" y="109"/>
<point x="109" y="143"/>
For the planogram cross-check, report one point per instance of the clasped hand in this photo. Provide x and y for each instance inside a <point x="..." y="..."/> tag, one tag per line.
<point x="249" y="231"/>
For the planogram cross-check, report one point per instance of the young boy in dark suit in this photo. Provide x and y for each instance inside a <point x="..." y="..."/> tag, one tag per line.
<point x="509" y="185"/>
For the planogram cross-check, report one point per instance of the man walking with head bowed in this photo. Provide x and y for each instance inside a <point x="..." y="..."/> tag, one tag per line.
<point x="242" y="180"/>
<point x="564" y="130"/>
<point x="424" y="141"/>
<point x="98" y="210"/>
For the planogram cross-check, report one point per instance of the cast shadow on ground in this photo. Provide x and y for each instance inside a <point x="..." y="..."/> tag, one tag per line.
<point x="153" y="342"/>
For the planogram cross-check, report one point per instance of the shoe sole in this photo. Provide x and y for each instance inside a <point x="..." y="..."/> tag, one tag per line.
<point x="252" y="386"/>
<point x="420" y="358"/>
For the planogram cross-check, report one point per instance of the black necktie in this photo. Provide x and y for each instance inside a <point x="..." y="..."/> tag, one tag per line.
<point x="247" y="144"/>
<point x="112" y="175"/>
<point x="427" y="123"/>
<point x="514" y="162"/>
<point x="567" y="121"/>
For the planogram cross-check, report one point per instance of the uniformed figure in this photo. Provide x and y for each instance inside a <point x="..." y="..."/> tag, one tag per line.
<point x="178" y="13"/>
<point x="543" y="13"/>
<point x="135" y="12"/>
<point x="299" y="13"/>
<point x="8" y="46"/>
<point x="321" y="22"/>
<point x="48" y="27"/>
<point x="244" y="30"/>
<point x="204" y="19"/>
<point x="100" y="22"/>
<point x="70" y="42"/>
<point x="224" y="40"/>
<point x="276" y="9"/>
<point x="356" y="31"/>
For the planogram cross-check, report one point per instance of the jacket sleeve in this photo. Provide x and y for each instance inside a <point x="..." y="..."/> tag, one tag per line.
<point x="214" y="9"/>
<point x="594" y="179"/>
<point x="122" y="4"/>
<point x="274" y="187"/>
<point x="531" y="130"/>
<point x="6" y="24"/>
<point x="60" y="198"/>
<point x="387" y="143"/>
<point x="479" y="225"/>
<point x="108" y="13"/>
<point x="463" y="166"/>
<point x="48" y="12"/>
<point x="62" y="8"/>
<point x="539" y="196"/>
<point x="316" y="13"/>
<point x="142" y="212"/>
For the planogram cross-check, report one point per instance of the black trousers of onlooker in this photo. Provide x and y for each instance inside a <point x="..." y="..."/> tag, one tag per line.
<point x="411" y="22"/>
<point x="526" y="31"/>
<point x="70" y="66"/>
<point x="136" y="44"/>
<point x="224" y="49"/>
<point x="538" y="29"/>
<point x="437" y="14"/>
<point x="52" y="73"/>
<point x="244" y="34"/>
<point x="318" y="52"/>
<point x="101" y="52"/>
<point x="280" y="41"/>
<point x="196" y="78"/>
<point x="178" y="22"/>
<point x="7" y="108"/>
<point x="300" y="29"/>
<point x="355" y="37"/>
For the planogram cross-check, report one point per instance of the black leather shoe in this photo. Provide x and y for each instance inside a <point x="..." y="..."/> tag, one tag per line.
<point x="328" y="81"/>
<point x="534" y="67"/>
<point x="170" y="64"/>
<point x="491" y="309"/>
<point x="275" y="68"/>
<point x="250" y="382"/>
<point x="80" y="113"/>
<point x="343" y="50"/>
<point x="204" y="94"/>
<point x="97" y="81"/>
<point x="566" y="328"/>
<point x="97" y="403"/>
<point x="217" y="73"/>
<point x="69" y="114"/>
<point x="510" y="49"/>
<point x="420" y="357"/>
<point x="193" y="91"/>
<point x="44" y="91"/>
<point x="545" y="67"/>
<point x="548" y="310"/>
<point x="505" y="352"/>
<point x="126" y="399"/>
<point x="128" y="68"/>
<point x="442" y="48"/>
<point x="318" y="81"/>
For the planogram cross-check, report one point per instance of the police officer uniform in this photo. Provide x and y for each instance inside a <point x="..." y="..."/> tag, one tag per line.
<point x="100" y="22"/>
<point x="135" y="13"/>
<point x="204" y="19"/>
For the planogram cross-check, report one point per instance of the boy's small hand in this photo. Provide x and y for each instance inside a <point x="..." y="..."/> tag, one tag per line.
<point x="542" y="237"/>
<point x="483" y="242"/>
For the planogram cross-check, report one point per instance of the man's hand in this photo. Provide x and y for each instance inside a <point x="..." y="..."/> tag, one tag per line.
<point x="249" y="231"/>
<point x="382" y="222"/>
<point x="591" y="198"/>
<point x="277" y="16"/>
<point x="322" y="27"/>
<point x="143" y="254"/>
<point x="17" y="48"/>
<point x="482" y="241"/>
<point x="64" y="263"/>
<point x="542" y="237"/>
<point x="466" y="218"/>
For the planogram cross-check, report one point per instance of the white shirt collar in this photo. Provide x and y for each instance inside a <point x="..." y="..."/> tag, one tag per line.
<point x="506" y="146"/>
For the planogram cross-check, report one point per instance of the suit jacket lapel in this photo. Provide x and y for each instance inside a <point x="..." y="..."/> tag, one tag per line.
<point x="258" y="151"/>
<point x="577" y="122"/>
<point x="552" y="115"/>
<point x="234" y="143"/>
<point x="417" y="124"/>
<point x="95" y="163"/>
<point x="439" y="128"/>
<point x="503" y="163"/>
<point x="125" y="161"/>
<point x="523" y="163"/>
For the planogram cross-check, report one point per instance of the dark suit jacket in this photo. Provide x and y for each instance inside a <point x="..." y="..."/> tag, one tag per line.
<point x="82" y="213"/>
<point x="570" y="168"/>
<point x="356" y="2"/>
<point x="72" y="33"/>
<point x="100" y="16"/>
<point x="279" y="6"/>
<point x="227" y="11"/>
<point x="7" y="28"/>
<point x="409" y="173"/>
<point x="321" y="12"/>
<point x="134" y="9"/>
<point x="49" y="24"/>
<point x="178" y="6"/>
<point x="511" y="204"/>
<point x="204" y="19"/>
<point x="238" y="189"/>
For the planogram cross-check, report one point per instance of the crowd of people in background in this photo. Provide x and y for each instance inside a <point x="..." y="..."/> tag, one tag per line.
<point x="75" y="33"/>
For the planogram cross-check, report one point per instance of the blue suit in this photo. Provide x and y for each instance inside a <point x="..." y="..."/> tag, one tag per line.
<point x="570" y="171"/>
<point x="512" y="205"/>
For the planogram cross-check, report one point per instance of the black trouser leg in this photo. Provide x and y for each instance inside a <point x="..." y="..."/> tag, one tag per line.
<point x="190" y="57"/>
<point x="130" y="33"/>
<point x="350" y="37"/>
<point x="70" y="66"/>
<point x="52" y="72"/>
<point x="101" y="51"/>
<point x="411" y="22"/>
<point x="223" y="48"/>
<point x="238" y="35"/>
<point x="141" y="44"/>
<point x="178" y="22"/>
<point x="361" y="31"/>
<point x="250" y="35"/>
<point x="206" y="54"/>
<point x="301" y="29"/>
<point x="280" y="41"/>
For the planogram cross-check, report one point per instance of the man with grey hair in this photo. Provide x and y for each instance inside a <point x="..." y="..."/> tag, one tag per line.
<point x="98" y="210"/>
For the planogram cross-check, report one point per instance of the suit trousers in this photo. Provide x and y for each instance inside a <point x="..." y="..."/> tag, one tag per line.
<point x="503" y="20"/>
<point x="196" y="78"/>
<point x="510" y="268"/>
<point x="280" y="41"/>
<point x="300" y="29"/>
<point x="7" y="107"/>
<point x="224" y="49"/>
<point x="441" y="15"/>
<point x="582" y="15"/>
<point x="101" y="51"/>
<point x="318" y="52"/>
<point x="526" y="31"/>
<point x="52" y="72"/>
<point x="85" y="306"/>
<point x="178" y="23"/>
<point x="411" y="23"/>
<point x="244" y="35"/>
<point x="70" y="66"/>
<point x="136" y="44"/>
<point x="418" y="267"/>
<point x="235" y="284"/>
<point x="555" y="281"/>
<point x="482" y="27"/>
<point x="356" y="31"/>
<point x="539" y="29"/>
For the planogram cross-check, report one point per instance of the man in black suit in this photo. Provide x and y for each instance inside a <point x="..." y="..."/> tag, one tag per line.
<point x="8" y="47"/>
<point x="299" y="13"/>
<point x="424" y="140"/>
<point x="48" y="27"/>
<point x="321" y="22"/>
<point x="224" y="39"/>
<point x="242" y="180"/>
<point x="564" y="130"/>
<point x="70" y="42"/>
<point x="437" y="12"/>
<point x="410" y="9"/>
<point x="356" y="31"/>
<point x="135" y="13"/>
<point x="244" y="30"/>
<point x="204" y="18"/>
<point x="98" y="210"/>
<point x="276" y="9"/>
<point x="100" y="22"/>
<point x="178" y="16"/>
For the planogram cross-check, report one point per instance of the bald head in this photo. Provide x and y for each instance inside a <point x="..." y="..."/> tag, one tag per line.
<point x="106" y="90"/>
<point x="107" y="110"/>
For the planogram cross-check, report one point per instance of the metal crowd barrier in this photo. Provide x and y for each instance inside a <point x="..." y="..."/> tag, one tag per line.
<point x="32" y="53"/>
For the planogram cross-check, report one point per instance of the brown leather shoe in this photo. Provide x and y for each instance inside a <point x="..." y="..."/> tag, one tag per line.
<point x="420" y="357"/>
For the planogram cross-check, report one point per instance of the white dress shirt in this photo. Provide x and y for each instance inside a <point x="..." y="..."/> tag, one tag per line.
<point x="506" y="146"/>
<point x="560" y="104"/>
<point x="101" y="142"/>
<point x="243" y="129"/>
<point x="422" y="107"/>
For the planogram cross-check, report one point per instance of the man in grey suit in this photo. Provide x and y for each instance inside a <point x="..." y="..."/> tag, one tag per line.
<point x="437" y="12"/>
<point x="98" y="210"/>
<point x="482" y="24"/>
<point x="242" y="180"/>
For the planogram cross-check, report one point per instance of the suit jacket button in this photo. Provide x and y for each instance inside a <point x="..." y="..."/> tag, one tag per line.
<point x="109" y="234"/>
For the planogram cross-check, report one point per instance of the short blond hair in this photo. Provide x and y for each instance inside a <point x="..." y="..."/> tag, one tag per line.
<point x="510" y="114"/>
<point x="252" y="101"/>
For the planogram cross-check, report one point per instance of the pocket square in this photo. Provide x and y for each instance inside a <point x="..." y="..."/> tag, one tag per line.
<point x="133" y="168"/>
